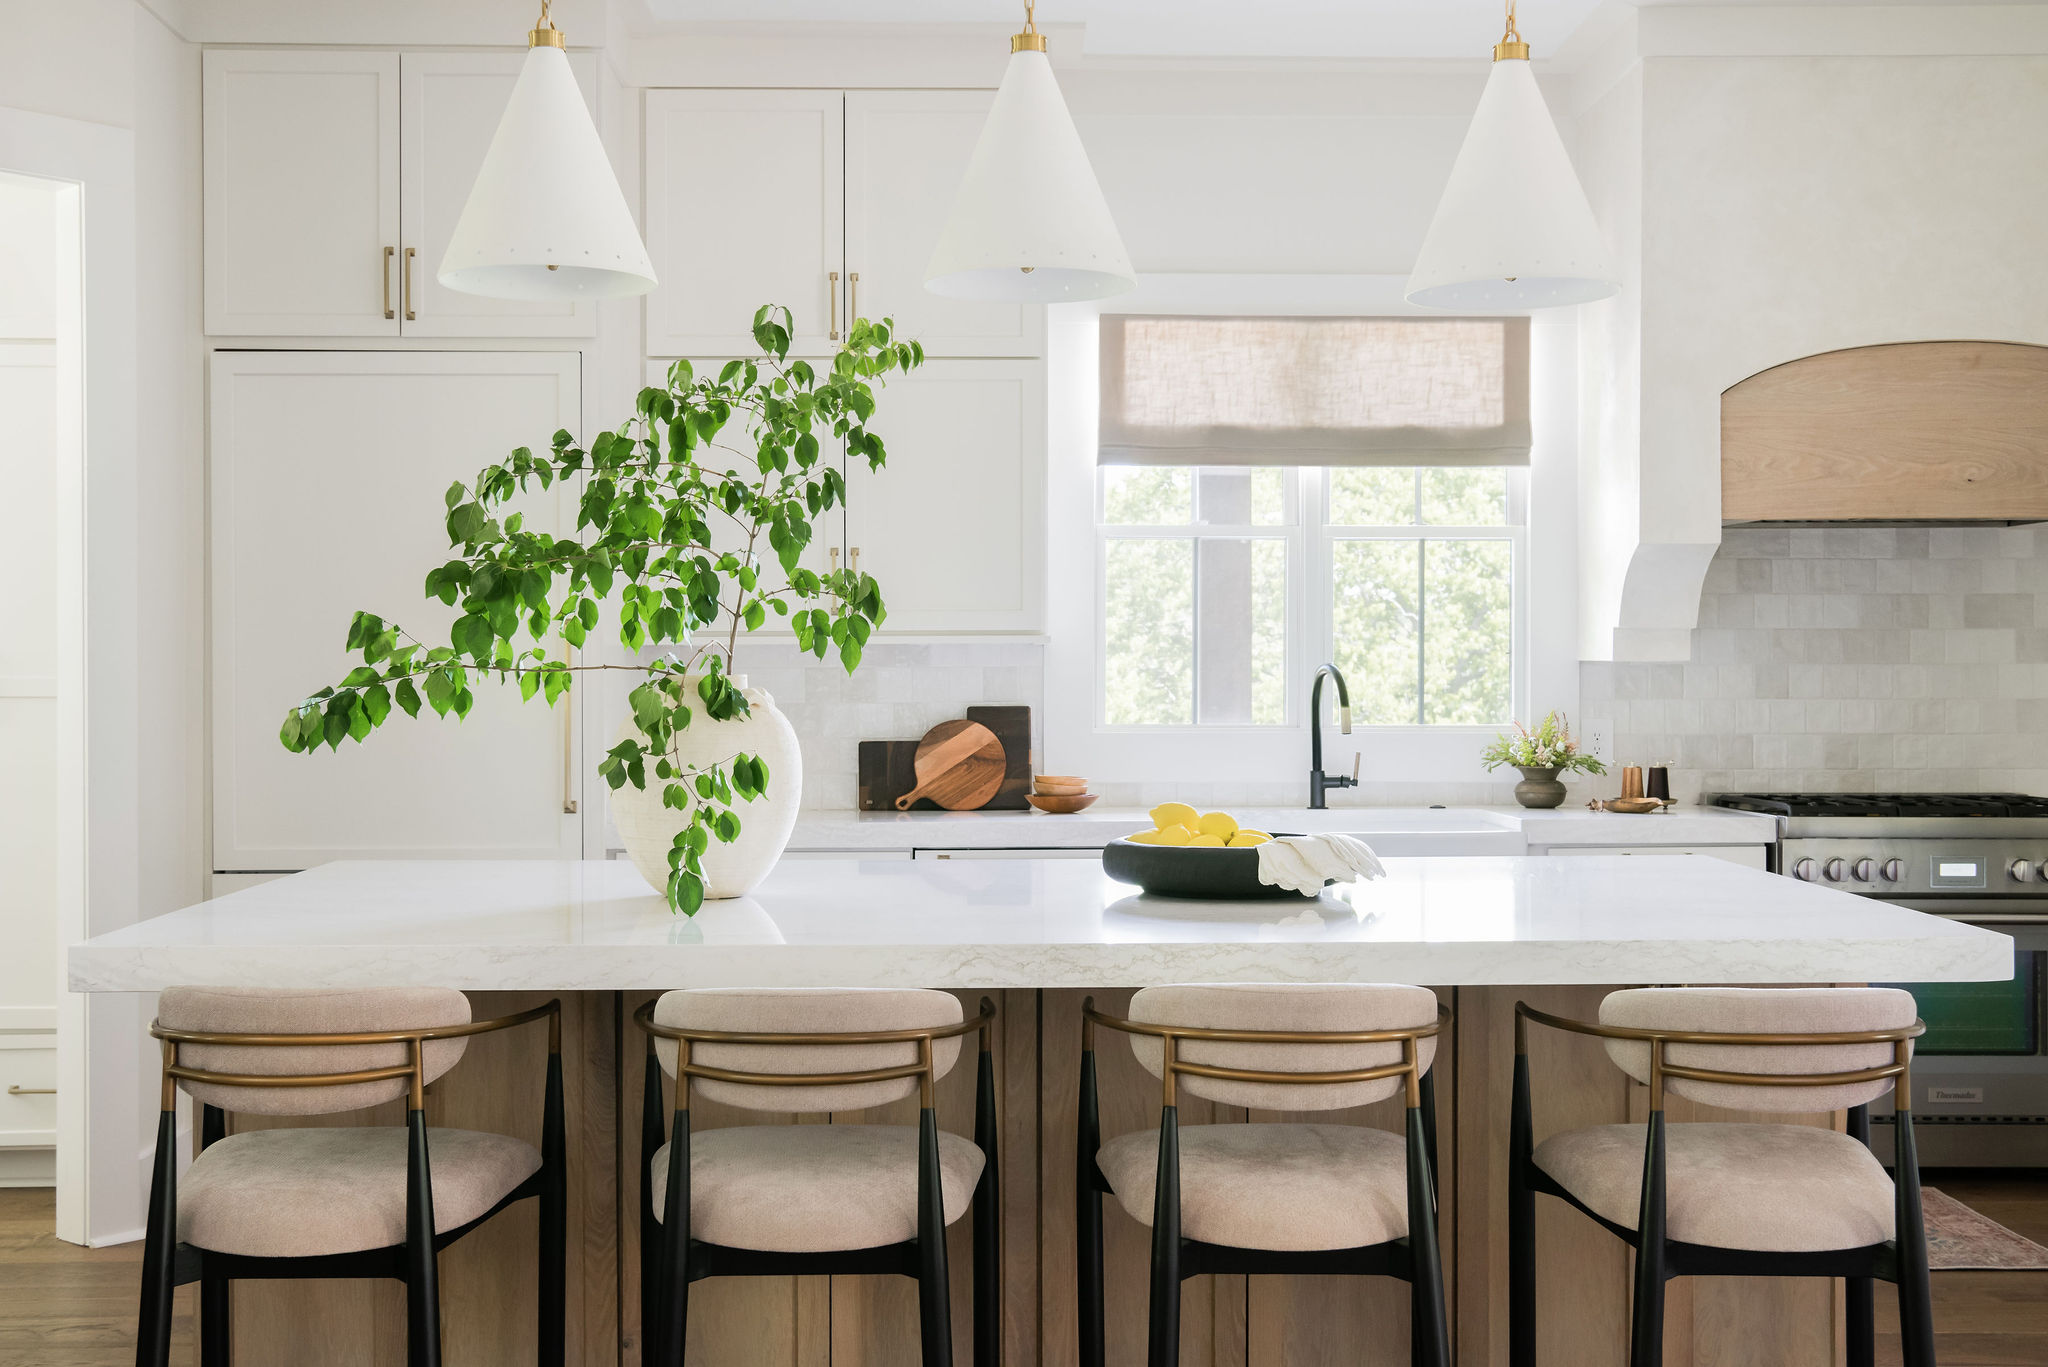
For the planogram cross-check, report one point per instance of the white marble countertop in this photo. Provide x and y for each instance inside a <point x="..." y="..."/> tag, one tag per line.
<point x="1391" y="830"/>
<point x="594" y="925"/>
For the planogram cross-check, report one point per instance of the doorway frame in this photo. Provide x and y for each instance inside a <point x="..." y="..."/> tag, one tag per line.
<point x="101" y="1141"/>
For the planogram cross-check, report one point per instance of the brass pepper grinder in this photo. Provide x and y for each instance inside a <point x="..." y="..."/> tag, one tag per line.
<point x="1631" y="781"/>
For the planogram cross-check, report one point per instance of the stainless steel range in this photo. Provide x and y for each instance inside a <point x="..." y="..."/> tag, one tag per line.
<point x="1980" y="1075"/>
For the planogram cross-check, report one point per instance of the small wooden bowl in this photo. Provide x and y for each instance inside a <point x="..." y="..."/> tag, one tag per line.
<point x="1062" y="803"/>
<point x="1062" y="789"/>
<point x="1060" y="781"/>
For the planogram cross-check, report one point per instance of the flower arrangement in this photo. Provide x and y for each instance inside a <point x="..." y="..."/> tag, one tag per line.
<point x="1550" y="746"/>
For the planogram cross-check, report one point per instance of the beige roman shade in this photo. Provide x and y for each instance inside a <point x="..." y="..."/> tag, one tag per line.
<point x="1183" y="390"/>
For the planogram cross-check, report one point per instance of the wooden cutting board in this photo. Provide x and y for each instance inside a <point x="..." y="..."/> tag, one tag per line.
<point x="959" y="766"/>
<point x="1012" y="726"/>
<point x="888" y="769"/>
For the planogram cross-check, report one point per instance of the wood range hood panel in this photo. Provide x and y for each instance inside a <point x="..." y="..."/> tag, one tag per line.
<point x="1911" y="432"/>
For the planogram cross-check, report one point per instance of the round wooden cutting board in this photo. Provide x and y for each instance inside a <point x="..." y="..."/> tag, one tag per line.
<point x="959" y="766"/>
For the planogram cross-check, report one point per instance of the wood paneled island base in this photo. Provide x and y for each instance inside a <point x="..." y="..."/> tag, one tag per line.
<point x="487" y="1280"/>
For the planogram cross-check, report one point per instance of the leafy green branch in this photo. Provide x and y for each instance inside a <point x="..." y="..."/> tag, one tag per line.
<point x="644" y="552"/>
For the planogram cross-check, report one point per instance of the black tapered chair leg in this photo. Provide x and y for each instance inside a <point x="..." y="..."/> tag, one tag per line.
<point x="1916" y="1297"/>
<point x="1163" y="1340"/>
<point x="934" y="1295"/>
<point x="988" y="1204"/>
<point x="1646" y="1320"/>
<point x="1088" y="1220"/>
<point x="652" y="1137"/>
<point x="554" y="1225"/>
<point x="1521" y="1227"/>
<point x="422" y="1270"/>
<point x="1429" y="1331"/>
<point x="671" y="1291"/>
<point x="214" y="1322"/>
<point x="1859" y="1293"/>
<point x="159" y="1250"/>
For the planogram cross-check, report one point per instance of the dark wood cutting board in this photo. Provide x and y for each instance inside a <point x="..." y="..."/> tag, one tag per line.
<point x="888" y="769"/>
<point x="1012" y="726"/>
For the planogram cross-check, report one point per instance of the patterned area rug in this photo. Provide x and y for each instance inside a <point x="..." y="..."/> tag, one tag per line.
<point x="1959" y="1239"/>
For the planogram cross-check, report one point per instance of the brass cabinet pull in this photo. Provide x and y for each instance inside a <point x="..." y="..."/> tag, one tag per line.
<point x="410" y="316"/>
<point x="853" y="560"/>
<point x="832" y="558"/>
<point x="569" y="804"/>
<point x="16" y="1089"/>
<point x="852" y="299"/>
<point x="389" y="252"/>
<point x="832" y="298"/>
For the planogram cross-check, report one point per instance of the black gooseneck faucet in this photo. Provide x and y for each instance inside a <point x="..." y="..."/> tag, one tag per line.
<point x="1318" y="781"/>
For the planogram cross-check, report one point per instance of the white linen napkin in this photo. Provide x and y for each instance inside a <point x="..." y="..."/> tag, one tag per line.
<point x="1303" y="863"/>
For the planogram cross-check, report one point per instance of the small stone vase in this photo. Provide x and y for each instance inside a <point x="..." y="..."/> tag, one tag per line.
<point x="648" y="829"/>
<point x="1539" y="788"/>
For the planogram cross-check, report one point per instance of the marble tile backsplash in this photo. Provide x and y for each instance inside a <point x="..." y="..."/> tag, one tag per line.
<point x="898" y="693"/>
<point x="1848" y="660"/>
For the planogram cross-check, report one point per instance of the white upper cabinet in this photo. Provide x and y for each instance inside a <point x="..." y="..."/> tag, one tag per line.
<point x="744" y="208"/>
<point x="953" y="526"/>
<point x="302" y="219"/>
<point x="326" y="473"/>
<point x="333" y="181"/>
<point x="452" y="103"/>
<point x="832" y="212"/>
<point x="906" y="152"/>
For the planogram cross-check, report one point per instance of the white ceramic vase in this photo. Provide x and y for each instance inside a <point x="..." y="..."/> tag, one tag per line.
<point x="649" y="829"/>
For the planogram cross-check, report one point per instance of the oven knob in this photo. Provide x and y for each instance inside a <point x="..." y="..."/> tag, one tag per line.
<point x="2020" y="871"/>
<point x="1865" y="870"/>
<point x="1893" y="870"/>
<point x="1833" y="870"/>
<point x="1805" y="869"/>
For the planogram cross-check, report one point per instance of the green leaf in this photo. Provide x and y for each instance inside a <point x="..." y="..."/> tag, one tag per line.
<point x="408" y="697"/>
<point x="377" y="703"/>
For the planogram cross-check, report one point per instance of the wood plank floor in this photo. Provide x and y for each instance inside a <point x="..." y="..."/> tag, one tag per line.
<point x="65" y="1306"/>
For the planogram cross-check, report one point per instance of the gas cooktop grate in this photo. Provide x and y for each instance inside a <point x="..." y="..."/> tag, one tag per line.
<point x="1887" y="804"/>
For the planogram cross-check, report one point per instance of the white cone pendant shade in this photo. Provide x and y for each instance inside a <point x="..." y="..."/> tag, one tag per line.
<point x="1513" y="229"/>
<point x="1029" y="223"/>
<point x="546" y="218"/>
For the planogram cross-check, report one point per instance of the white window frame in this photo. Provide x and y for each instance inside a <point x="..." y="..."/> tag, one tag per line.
<point x="1269" y="763"/>
<point x="1311" y="616"/>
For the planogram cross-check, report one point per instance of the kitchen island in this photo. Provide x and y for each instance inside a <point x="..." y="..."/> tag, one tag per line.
<point x="1037" y="936"/>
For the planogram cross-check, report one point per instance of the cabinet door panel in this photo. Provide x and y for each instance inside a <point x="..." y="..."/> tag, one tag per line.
<point x="302" y="192"/>
<point x="953" y="526"/>
<point x="327" y="472"/>
<point x="453" y="101"/>
<point x="906" y="151"/>
<point x="745" y="205"/>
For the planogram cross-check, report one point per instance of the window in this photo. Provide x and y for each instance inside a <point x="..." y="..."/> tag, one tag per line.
<point x="1278" y="492"/>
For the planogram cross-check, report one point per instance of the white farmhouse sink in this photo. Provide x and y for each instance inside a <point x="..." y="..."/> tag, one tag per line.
<point x="1403" y="831"/>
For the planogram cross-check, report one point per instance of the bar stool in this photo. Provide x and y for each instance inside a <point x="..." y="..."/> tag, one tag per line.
<point x="1743" y="1200"/>
<point x="335" y="1201"/>
<point x="1270" y="1198"/>
<point x="778" y="1200"/>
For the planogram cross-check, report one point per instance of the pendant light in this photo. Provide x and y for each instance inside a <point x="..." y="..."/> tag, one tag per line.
<point x="546" y="218"/>
<point x="1029" y="223"/>
<point x="1513" y="229"/>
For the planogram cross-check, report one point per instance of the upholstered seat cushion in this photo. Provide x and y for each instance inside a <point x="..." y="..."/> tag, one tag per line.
<point x="813" y="1188"/>
<point x="1272" y="1186"/>
<point x="298" y="1193"/>
<point x="1769" y="1188"/>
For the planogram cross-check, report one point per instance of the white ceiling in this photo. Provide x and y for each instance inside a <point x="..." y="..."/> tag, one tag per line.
<point x="1195" y="28"/>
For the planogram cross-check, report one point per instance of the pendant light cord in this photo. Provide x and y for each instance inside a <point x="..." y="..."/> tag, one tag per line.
<point x="1030" y="40"/>
<point x="1511" y="47"/>
<point x="544" y="33"/>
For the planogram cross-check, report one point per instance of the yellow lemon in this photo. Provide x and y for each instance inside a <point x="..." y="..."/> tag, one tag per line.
<point x="1168" y="814"/>
<point x="1246" y="830"/>
<point x="1245" y="839"/>
<point x="1212" y="840"/>
<point x="1171" y="835"/>
<point x="1145" y="838"/>
<point x="1217" y="823"/>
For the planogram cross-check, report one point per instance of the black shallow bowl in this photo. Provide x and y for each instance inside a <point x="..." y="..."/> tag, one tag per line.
<point x="1199" y="871"/>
